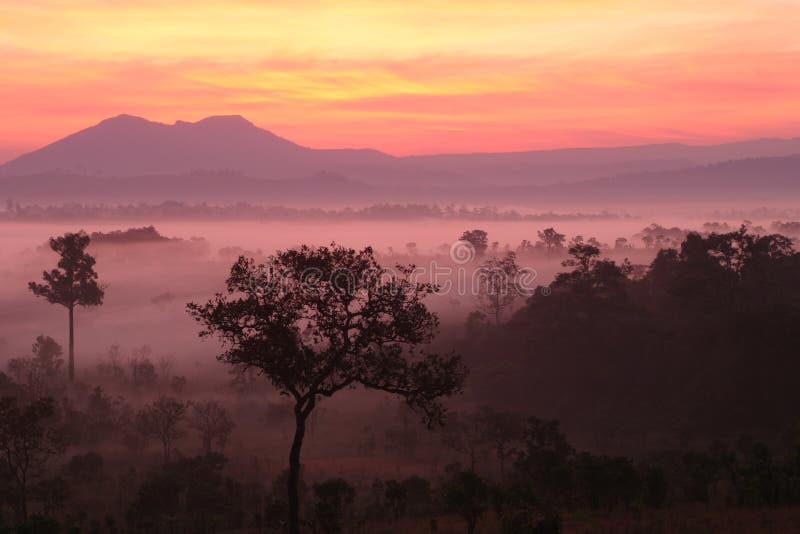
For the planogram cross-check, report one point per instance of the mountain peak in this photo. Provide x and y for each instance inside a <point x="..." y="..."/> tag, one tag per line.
<point x="124" y="119"/>
<point x="225" y="120"/>
<point x="127" y="120"/>
<point x="126" y="145"/>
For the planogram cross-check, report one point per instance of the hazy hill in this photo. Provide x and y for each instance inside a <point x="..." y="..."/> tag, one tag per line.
<point x="578" y="164"/>
<point x="132" y="146"/>
<point x="745" y="181"/>
<point x="127" y="146"/>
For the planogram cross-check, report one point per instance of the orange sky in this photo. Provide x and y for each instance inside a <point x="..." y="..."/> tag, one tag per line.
<point x="407" y="76"/>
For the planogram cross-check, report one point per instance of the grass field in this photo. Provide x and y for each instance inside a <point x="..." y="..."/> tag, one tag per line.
<point x="678" y="520"/>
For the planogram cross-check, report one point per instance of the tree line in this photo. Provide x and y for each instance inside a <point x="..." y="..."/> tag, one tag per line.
<point x="701" y="341"/>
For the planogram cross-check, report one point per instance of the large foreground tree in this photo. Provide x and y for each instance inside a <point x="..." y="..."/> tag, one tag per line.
<point x="316" y="321"/>
<point x="72" y="283"/>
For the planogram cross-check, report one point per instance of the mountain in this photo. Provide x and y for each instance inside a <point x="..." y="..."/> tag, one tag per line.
<point x="751" y="181"/>
<point x="756" y="180"/>
<point x="579" y="164"/>
<point x="128" y="146"/>
<point x="131" y="146"/>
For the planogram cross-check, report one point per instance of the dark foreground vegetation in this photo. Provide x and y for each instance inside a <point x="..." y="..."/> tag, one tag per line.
<point x="702" y="343"/>
<point x="676" y="383"/>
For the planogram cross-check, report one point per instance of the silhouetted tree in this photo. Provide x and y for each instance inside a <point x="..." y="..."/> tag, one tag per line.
<point x="319" y="320"/>
<point x="142" y="371"/>
<point x="395" y="496"/>
<point x="545" y="459"/>
<point x="553" y="241"/>
<point x="73" y="283"/>
<point x="503" y="431"/>
<point x="465" y="433"/>
<point x="103" y="415"/>
<point x="28" y="440"/>
<point x="592" y="277"/>
<point x="177" y="384"/>
<point x="607" y="482"/>
<point x="111" y="368"/>
<point x="479" y="240"/>
<point x="466" y="494"/>
<point x="402" y="438"/>
<point x="212" y="421"/>
<point x="38" y="373"/>
<point x="162" y="419"/>
<point x="657" y="236"/>
<point x="525" y="248"/>
<point x="496" y="284"/>
<point x="410" y="496"/>
<point x="52" y="493"/>
<point x="188" y="495"/>
<point x="332" y="499"/>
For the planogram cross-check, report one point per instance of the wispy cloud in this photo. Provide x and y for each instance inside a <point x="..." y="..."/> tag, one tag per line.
<point x="408" y="76"/>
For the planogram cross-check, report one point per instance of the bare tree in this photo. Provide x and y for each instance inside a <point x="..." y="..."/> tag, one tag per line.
<point x="212" y="421"/>
<point x="165" y="365"/>
<point x="465" y="433"/>
<point x="111" y="368"/>
<point x="162" y="419"/>
<point x="316" y="321"/>
<point x="142" y="371"/>
<point x="72" y="283"/>
<point x="40" y="372"/>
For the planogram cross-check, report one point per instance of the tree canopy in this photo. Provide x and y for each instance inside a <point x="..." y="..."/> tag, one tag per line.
<point x="315" y="321"/>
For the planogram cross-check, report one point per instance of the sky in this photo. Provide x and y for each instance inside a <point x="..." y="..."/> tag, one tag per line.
<point x="407" y="76"/>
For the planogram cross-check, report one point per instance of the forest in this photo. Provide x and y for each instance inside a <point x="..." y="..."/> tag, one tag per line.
<point x="619" y="396"/>
<point x="399" y="267"/>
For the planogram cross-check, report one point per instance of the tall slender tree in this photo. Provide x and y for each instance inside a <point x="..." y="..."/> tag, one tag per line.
<point x="316" y="321"/>
<point x="72" y="283"/>
<point x="496" y="286"/>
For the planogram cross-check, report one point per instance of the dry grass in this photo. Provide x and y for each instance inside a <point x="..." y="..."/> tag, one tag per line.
<point x="688" y="519"/>
<point x="678" y="520"/>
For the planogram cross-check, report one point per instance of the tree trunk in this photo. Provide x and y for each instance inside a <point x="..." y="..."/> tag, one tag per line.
<point x="22" y="506"/>
<point x="294" y="469"/>
<point x="71" y="345"/>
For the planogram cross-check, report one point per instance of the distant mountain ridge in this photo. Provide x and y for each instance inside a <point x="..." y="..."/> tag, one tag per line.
<point x="126" y="146"/>
<point x="762" y="180"/>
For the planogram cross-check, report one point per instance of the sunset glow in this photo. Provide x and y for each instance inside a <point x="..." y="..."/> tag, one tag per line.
<point x="408" y="77"/>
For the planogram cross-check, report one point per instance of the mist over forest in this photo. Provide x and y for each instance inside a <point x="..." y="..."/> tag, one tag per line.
<point x="399" y="267"/>
<point x="509" y="370"/>
<point x="205" y="327"/>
